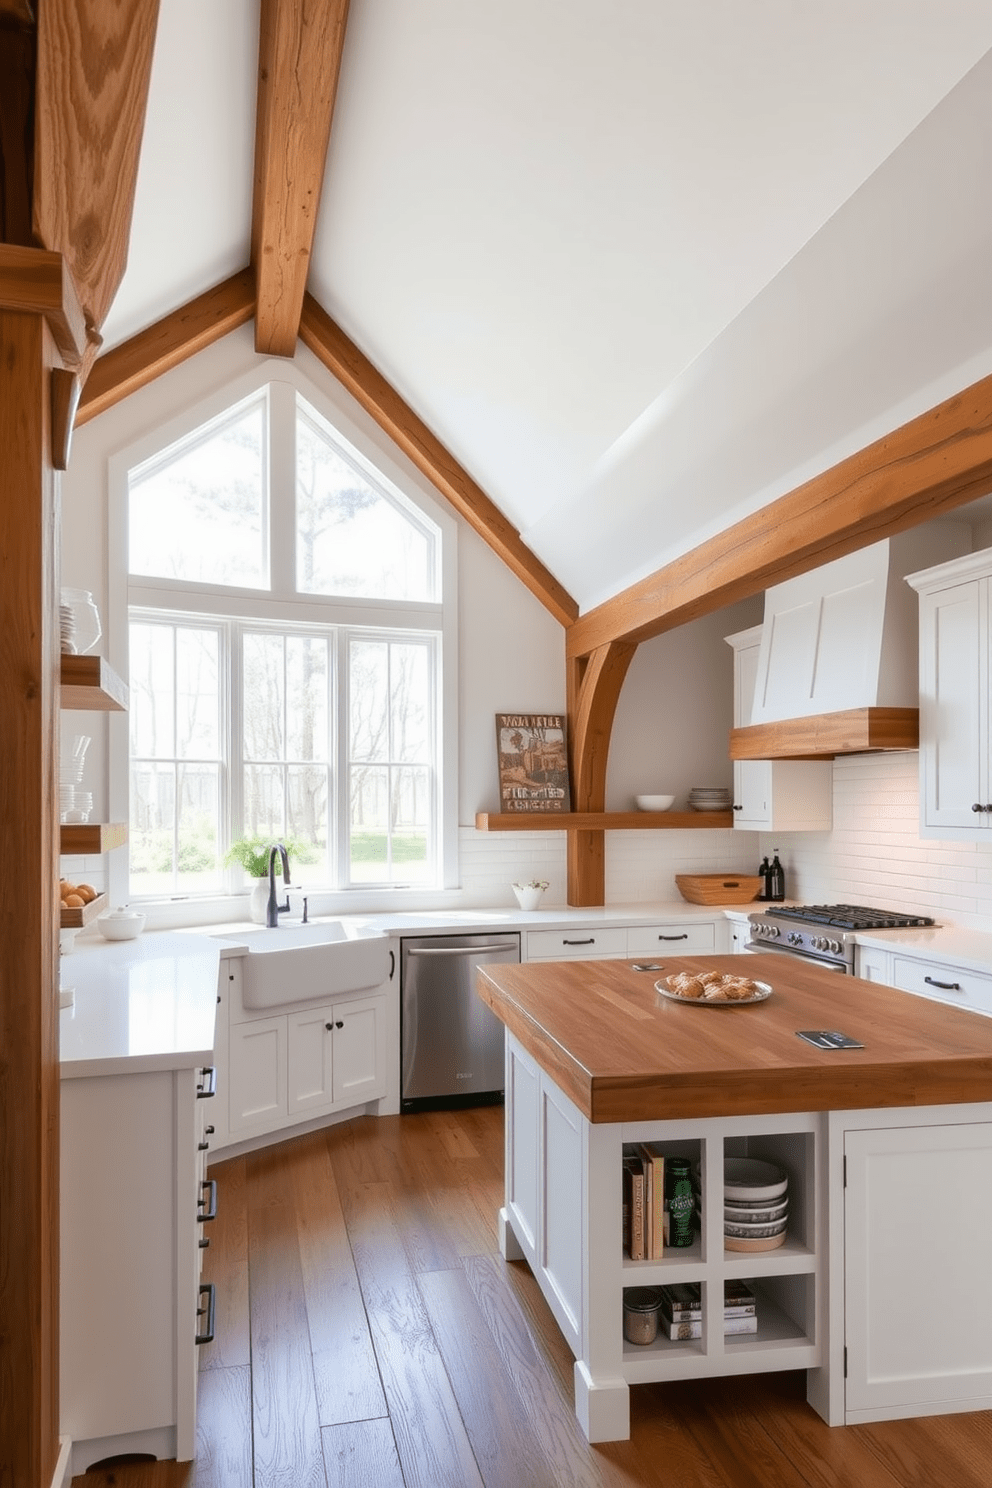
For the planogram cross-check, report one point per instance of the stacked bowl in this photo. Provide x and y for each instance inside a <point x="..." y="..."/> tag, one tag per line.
<point x="710" y="798"/>
<point x="755" y="1204"/>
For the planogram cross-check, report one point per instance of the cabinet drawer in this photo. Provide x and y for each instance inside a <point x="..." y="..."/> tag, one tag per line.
<point x="967" y="989"/>
<point x="575" y="945"/>
<point x="685" y="937"/>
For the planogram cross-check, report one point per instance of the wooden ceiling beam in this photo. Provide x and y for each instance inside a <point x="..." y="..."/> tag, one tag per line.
<point x="94" y="66"/>
<point x="299" y="60"/>
<point x="167" y="344"/>
<point x="397" y="419"/>
<point x="923" y="469"/>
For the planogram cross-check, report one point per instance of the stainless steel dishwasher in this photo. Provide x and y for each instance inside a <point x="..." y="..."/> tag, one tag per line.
<point x="451" y="1045"/>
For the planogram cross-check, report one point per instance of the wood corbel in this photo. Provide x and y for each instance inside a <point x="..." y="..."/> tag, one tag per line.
<point x="593" y="685"/>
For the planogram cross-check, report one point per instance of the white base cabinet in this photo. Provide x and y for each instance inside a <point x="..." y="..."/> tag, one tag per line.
<point x="614" y="942"/>
<point x="845" y="1298"/>
<point x="134" y="1203"/>
<point x="936" y="980"/>
<point x="311" y="1061"/>
<point x="918" y="1274"/>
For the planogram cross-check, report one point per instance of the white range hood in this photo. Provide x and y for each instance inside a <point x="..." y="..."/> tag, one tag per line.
<point x="838" y="660"/>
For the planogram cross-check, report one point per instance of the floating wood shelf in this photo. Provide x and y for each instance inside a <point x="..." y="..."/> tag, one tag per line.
<point x="92" y="837"/>
<point x="88" y="682"/>
<point x="853" y="731"/>
<point x="598" y="821"/>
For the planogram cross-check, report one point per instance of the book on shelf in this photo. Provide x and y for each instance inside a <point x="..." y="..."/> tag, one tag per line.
<point x="738" y="1299"/>
<point x="653" y="1159"/>
<point x="680" y="1332"/>
<point x="633" y="1184"/>
<point x="682" y="1301"/>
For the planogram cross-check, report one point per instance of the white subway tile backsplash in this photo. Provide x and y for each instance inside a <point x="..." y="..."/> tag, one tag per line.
<point x="875" y="855"/>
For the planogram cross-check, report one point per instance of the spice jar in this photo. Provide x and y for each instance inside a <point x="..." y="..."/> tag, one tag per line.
<point x="640" y="1314"/>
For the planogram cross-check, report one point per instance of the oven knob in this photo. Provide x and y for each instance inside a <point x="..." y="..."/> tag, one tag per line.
<point x="774" y="932"/>
<point x="835" y="946"/>
<point x="819" y="943"/>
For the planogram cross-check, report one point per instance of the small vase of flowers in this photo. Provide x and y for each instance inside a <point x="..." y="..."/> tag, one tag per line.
<point x="529" y="894"/>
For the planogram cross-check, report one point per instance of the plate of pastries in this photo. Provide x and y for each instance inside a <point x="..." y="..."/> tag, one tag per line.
<point x="713" y="989"/>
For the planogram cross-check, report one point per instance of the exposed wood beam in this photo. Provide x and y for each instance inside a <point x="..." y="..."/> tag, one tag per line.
<point x="299" y="59"/>
<point x="35" y="282"/>
<point x="18" y="39"/>
<point x="167" y="343"/>
<point x="94" y="64"/>
<point x="930" y="465"/>
<point x="397" y="419"/>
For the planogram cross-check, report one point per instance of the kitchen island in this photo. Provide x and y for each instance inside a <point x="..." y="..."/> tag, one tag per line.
<point x="882" y="1290"/>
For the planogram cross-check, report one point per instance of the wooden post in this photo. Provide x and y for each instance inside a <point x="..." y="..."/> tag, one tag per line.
<point x="593" y="686"/>
<point x="29" y="1052"/>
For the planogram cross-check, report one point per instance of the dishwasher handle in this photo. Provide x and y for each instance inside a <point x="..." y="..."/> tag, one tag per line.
<point x="459" y="950"/>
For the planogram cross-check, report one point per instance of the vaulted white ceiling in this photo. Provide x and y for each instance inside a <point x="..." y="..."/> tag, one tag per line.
<point x="641" y="268"/>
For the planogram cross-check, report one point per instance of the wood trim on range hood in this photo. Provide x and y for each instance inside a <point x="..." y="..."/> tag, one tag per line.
<point x="824" y="735"/>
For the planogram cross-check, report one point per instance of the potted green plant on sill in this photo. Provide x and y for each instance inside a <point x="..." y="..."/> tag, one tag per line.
<point x="253" y="855"/>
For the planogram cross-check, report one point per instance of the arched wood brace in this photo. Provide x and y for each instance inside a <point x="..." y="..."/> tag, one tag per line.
<point x="593" y="687"/>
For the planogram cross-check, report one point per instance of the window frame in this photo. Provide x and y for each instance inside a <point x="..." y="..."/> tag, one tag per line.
<point x="281" y="606"/>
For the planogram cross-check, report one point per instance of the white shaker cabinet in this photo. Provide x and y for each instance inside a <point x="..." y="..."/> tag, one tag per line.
<point x="313" y="1060"/>
<point x="134" y="1202"/>
<point x="774" y="795"/>
<point x="956" y="697"/>
<point x="917" y="1299"/>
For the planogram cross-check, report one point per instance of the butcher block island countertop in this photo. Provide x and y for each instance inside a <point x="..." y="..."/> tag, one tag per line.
<point x="621" y="1052"/>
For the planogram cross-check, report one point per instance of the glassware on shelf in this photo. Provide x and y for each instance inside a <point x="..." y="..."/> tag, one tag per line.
<point x="86" y="629"/>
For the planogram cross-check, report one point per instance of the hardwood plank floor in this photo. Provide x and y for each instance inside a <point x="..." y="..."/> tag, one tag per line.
<point x="371" y="1336"/>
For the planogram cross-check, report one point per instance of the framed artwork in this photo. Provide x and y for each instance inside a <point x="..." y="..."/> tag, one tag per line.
<point x="533" y="762"/>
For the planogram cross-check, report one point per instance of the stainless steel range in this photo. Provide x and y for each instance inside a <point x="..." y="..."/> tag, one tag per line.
<point x="825" y="933"/>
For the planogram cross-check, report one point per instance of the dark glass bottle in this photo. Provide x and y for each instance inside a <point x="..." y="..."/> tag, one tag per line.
<point x="678" y="1201"/>
<point x="764" y="871"/>
<point x="776" y="880"/>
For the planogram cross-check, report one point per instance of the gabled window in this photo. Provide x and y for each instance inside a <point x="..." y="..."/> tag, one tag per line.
<point x="286" y="636"/>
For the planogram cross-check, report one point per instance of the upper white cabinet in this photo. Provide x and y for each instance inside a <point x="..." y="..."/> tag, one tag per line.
<point x="956" y="697"/>
<point x="774" y="795"/>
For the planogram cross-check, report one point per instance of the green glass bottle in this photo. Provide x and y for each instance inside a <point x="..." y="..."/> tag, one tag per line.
<point x="678" y="1201"/>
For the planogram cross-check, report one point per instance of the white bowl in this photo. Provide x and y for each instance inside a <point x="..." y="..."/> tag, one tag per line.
<point x="654" y="803"/>
<point x="121" y="924"/>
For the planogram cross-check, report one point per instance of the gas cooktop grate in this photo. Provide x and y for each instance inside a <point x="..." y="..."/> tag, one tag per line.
<point x="848" y="916"/>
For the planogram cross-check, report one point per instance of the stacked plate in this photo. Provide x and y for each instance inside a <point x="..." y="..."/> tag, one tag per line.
<point x="67" y="629"/>
<point x="755" y="1204"/>
<point x="709" y="798"/>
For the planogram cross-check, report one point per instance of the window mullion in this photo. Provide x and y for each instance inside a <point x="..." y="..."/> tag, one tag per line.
<point x="342" y="757"/>
<point x="234" y="741"/>
<point x="281" y="504"/>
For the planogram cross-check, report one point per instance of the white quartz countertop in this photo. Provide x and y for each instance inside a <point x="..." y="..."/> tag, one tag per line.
<point x="479" y="921"/>
<point x="970" y="950"/>
<point x="145" y="1004"/>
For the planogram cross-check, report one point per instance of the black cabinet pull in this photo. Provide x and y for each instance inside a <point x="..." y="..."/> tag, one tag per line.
<point x="392" y="965"/>
<point x="590" y="941"/>
<point x="203" y="1242"/>
<point x="977" y="806"/>
<point x="210" y="1311"/>
<point x="683" y="936"/>
<point x="339" y="1024"/>
<point x="203" y="1146"/>
<point x="328" y="1026"/>
<point x="209" y="1086"/>
<point x="208" y="1131"/>
<point x="210" y="1184"/>
<point x="944" y="986"/>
